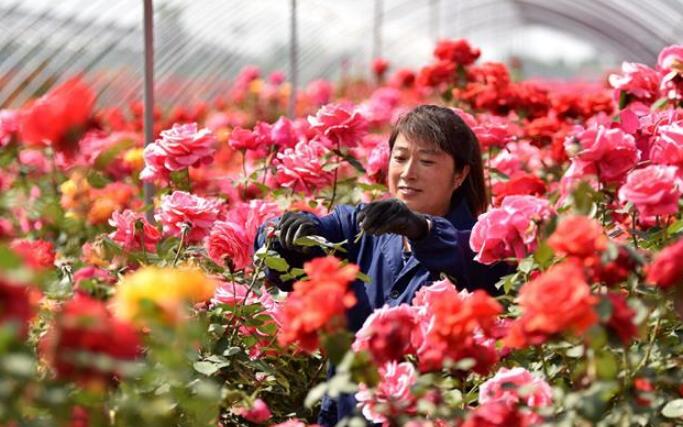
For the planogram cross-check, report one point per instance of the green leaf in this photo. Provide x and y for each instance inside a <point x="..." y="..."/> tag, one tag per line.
<point x="673" y="409"/>
<point x="364" y="277"/>
<point x="543" y="255"/>
<point x="527" y="265"/>
<point x="676" y="227"/>
<point x="8" y="259"/>
<point x="336" y="345"/>
<point x="206" y="368"/>
<point x="276" y="263"/>
<point x="500" y="176"/>
<point x="97" y="179"/>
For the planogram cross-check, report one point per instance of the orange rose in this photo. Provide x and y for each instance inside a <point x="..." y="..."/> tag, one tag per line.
<point x="559" y="300"/>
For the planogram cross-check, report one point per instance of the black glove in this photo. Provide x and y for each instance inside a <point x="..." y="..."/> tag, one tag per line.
<point x="392" y="216"/>
<point x="294" y="225"/>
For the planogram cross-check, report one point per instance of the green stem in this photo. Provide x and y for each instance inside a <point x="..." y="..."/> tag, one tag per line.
<point x="181" y="244"/>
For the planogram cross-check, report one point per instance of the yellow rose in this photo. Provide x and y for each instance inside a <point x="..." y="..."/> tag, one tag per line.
<point x="169" y="289"/>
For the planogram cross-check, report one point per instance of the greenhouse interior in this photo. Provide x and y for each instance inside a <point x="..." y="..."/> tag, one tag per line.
<point x="293" y="213"/>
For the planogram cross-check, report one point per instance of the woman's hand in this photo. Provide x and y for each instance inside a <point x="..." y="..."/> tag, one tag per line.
<point x="292" y="226"/>
<point x="392" y="216"/>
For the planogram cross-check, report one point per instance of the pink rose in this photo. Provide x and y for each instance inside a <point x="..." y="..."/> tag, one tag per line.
<point x="155" y="169"/>
<point x="229" y="240"/>
<point x="234" y="237"/>
<point x="392" y="394"/>
<point x="180" y="147"/>
<point x="339" y="124"/>
<point x="9" y="126"/>
<point x="233" y="293"/>
<point x="610" y="153"/>
<point x="514" y="385"/>
<point x="378" y="161"/>
<point x="319" y="91"/>
<point x="667" y="146"/>
<point x="518" y="157"/>
<point x="636" y="79"/>
<point x="380" y="108"/>
<point x="258" y="413"/>
<point x="242" y="139"/>
<point x="283" y="133"/>
<point x="670" y="64"/>
<point x="492" y="131"/>
<point x="133" y="232"/>
<point x="303" y="167"/>
<point x="181" y="208"/>
<point x="388" y="334"/>
<point x="510" y="230"/>
<point x="654" y="190"/>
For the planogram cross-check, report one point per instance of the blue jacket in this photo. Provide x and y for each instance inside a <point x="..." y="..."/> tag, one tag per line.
<point x="395" y="278"/>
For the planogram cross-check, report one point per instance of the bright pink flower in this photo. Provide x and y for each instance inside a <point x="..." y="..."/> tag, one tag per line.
<point x="388" y="333"/>
<point x="378" y="161"/>
<point x="670" y="64"/>
<point x="667" y="145"/>
<point x="510" y="230"/>
<point x="518" y="157"/>
<point x="185" y="145"/>
<point x="9" y="126"/>
<point x="182" y="209"/>
<point x="392" y="395"/>
<point x="515" y="385"/>
<point x="611" y="153"/>
<point x="155" y="169"/>
<point x="492" y="131"/>
<point x="259" y="412"/>
<point x="283" y="133"/>
<point x="35" y="159"/>
<point x="277" y="77"/>
<point x="381" y="107"/>
<point x="303" y="167"/>
<point x="133" y="232"/>
<point x="654" y="190"/>
<point x="242" y="139"/>
<point x="227" y="242"/>
<point x="636" y="79"/>
<point x="234" y="237"/>
<point x="179" y="148"/>
<point x="320" y="91"/>
<point x="233" y="293"/>
<point x="340" y="124"/>
<point x="37" y="254"/>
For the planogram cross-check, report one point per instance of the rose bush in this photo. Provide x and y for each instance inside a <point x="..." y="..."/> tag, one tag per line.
<point x="117" y="313"/>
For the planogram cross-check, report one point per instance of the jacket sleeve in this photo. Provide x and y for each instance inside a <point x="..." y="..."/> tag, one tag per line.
<point x="335" y="227"/>
<point x="447" y="250"/>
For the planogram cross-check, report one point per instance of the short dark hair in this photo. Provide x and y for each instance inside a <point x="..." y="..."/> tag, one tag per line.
<point x="443" y="127"/>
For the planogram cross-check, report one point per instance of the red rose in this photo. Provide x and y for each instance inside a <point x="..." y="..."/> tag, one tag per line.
<point x="17" y="305"/>
<point x="436" y="74"/>
<point x="666" y="270"/>
<point x="58" y="117"/>
<point x="380" y="67"/>
<point x="456" y="51"/>
<point x="521" y="184"/>
<point x="84" y="326"/>
<point x="621" y="320"/>
<point x="340" y="124"/>
<point x="37" y="254"/>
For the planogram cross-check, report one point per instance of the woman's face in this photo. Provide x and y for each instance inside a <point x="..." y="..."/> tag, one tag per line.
<point x="423" y="176"/>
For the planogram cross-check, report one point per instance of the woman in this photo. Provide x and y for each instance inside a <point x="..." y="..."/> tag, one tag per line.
<point x="437" y="182"/>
